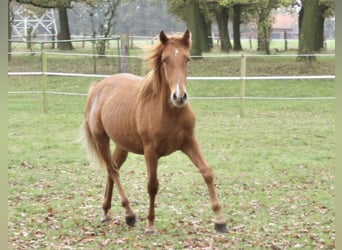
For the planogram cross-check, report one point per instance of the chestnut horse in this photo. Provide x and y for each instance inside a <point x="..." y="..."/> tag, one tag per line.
<point x="150" y="116"/>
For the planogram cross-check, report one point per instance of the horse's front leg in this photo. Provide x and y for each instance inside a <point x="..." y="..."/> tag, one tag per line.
<point x="192" y="149"/>
<point x="152" y="187"/>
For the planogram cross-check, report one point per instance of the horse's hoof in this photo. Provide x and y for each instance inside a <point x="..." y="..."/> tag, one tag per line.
<point x="131" y="220"/>
<point x="105" y="218"/>
<point x="221" y="228"/>
<point x="150" y="231"/>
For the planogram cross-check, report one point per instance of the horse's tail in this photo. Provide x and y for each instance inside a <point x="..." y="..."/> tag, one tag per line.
<point x="90" y="141"/>
<point x="93" y="151"/>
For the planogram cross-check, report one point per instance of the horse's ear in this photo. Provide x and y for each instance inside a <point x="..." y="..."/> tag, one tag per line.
<point x="162" y="37"/>
<point x="186" y="39"/>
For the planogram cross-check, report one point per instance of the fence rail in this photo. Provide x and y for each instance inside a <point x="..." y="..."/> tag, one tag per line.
<point x="191" y="97"/>
<point x="242" y="78"/>
<point x="241" y="98"/>
<point x="199" y="78"/>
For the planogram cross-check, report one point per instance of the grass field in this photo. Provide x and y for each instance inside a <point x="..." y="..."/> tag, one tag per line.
<point x="274" y="171"/>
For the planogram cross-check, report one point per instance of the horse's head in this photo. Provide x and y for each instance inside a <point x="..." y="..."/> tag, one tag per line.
<point x="174" y="59"/>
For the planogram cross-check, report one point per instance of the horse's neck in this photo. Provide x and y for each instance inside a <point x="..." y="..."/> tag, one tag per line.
<point x="147" y="88"/>
<point x="165" y="91"/>
<point x="153" y="86"/>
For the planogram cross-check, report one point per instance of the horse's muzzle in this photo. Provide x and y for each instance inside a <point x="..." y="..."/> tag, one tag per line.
<point x="179" y="100"/>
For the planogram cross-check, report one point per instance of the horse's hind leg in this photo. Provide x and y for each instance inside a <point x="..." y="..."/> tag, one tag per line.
<point x="107" y="202"/>
<point x="118" y="158"/>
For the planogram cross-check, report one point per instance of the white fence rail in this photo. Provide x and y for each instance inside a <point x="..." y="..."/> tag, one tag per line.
<point x="242" y="78"/>
<point x="199" y="78"/>
<point x="192" y="97"/>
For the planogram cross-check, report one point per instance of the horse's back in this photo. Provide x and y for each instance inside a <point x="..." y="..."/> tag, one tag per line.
<point x="118" y="87"/>
<point x="122" y="84"/>
<point x="118" y="82"/>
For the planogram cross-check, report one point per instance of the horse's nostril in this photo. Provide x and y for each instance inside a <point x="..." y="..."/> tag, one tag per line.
<point x="185" y="96"/>
<point x="174" y="96"/>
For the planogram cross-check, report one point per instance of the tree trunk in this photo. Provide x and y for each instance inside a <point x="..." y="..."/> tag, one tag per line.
<point x="267" y="36"/>
<point x="236" y="27"/>
<point x="106" y="27"/>
<point x="209" y="37"/>
<point x="300" y="21"/>
<point x="319" y="39"/>
<point x="319" y="44"/>
<point x="222" y="16"/>
<point x="9" y="32"/>
<point x="197" y="24"/>
<point x="308" y="36"/>
<point x="264" y="35"/>
<point x="203" y="34"/>
<point x="64" y="33"/>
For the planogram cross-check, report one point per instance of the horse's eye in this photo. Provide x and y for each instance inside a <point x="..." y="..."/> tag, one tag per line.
<point x="188" y="59"/>
<point x="164" y="60"/>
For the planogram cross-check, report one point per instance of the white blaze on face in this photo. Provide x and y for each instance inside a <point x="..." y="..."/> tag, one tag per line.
<point x="176" y="52"/>
<point x="177" y="90"/>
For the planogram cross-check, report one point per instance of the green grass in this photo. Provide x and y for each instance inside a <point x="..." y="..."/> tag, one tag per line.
<point x="274" y="167"/>
<point x="274" y="173"/>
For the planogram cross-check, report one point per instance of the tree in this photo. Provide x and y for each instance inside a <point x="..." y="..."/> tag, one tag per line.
<point x="263" y="10"/>
<point x="62" y="6"/>
<point x="64" y="33"/>
<point x="103" y="12"/>
<point x="221" y="13"/>
<point x="311" y="25"/>
<point x="195" y="15"/>
<point x="236" y="6"/>
<point x="197" y="22"/>
<point x="308" y="33"/>
<point x="222" y="17"/>
<point x="10" y="21"/>
<point x="236" y="26"/>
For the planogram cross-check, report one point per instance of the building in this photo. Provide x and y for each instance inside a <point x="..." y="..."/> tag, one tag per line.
<point x="285" y="23"/>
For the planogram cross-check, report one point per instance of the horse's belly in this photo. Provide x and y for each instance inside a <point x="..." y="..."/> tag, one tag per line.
<point x="130" y="143"/>
<point x="123" y="132"/>
<point x="168" y="145"/>
<point x="118" y="113"/>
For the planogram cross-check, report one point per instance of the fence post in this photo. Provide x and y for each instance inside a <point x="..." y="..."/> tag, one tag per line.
<point x="29" y="38"/>
<point x="142" y="67"/>
<point x="53" y="38"/>
<point x="285" y="40"/>
<point x="94" y="54"/>
<point x="124" y="53"/>
<point x="243" y="85"/>
<point x="44" y="75"/>
<point x="118" y="42"/>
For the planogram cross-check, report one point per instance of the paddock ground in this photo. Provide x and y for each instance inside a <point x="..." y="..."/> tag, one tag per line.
<point x="274" y="172"/>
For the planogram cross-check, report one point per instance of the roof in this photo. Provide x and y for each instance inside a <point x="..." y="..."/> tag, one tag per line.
<point x="285" y="21"/>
